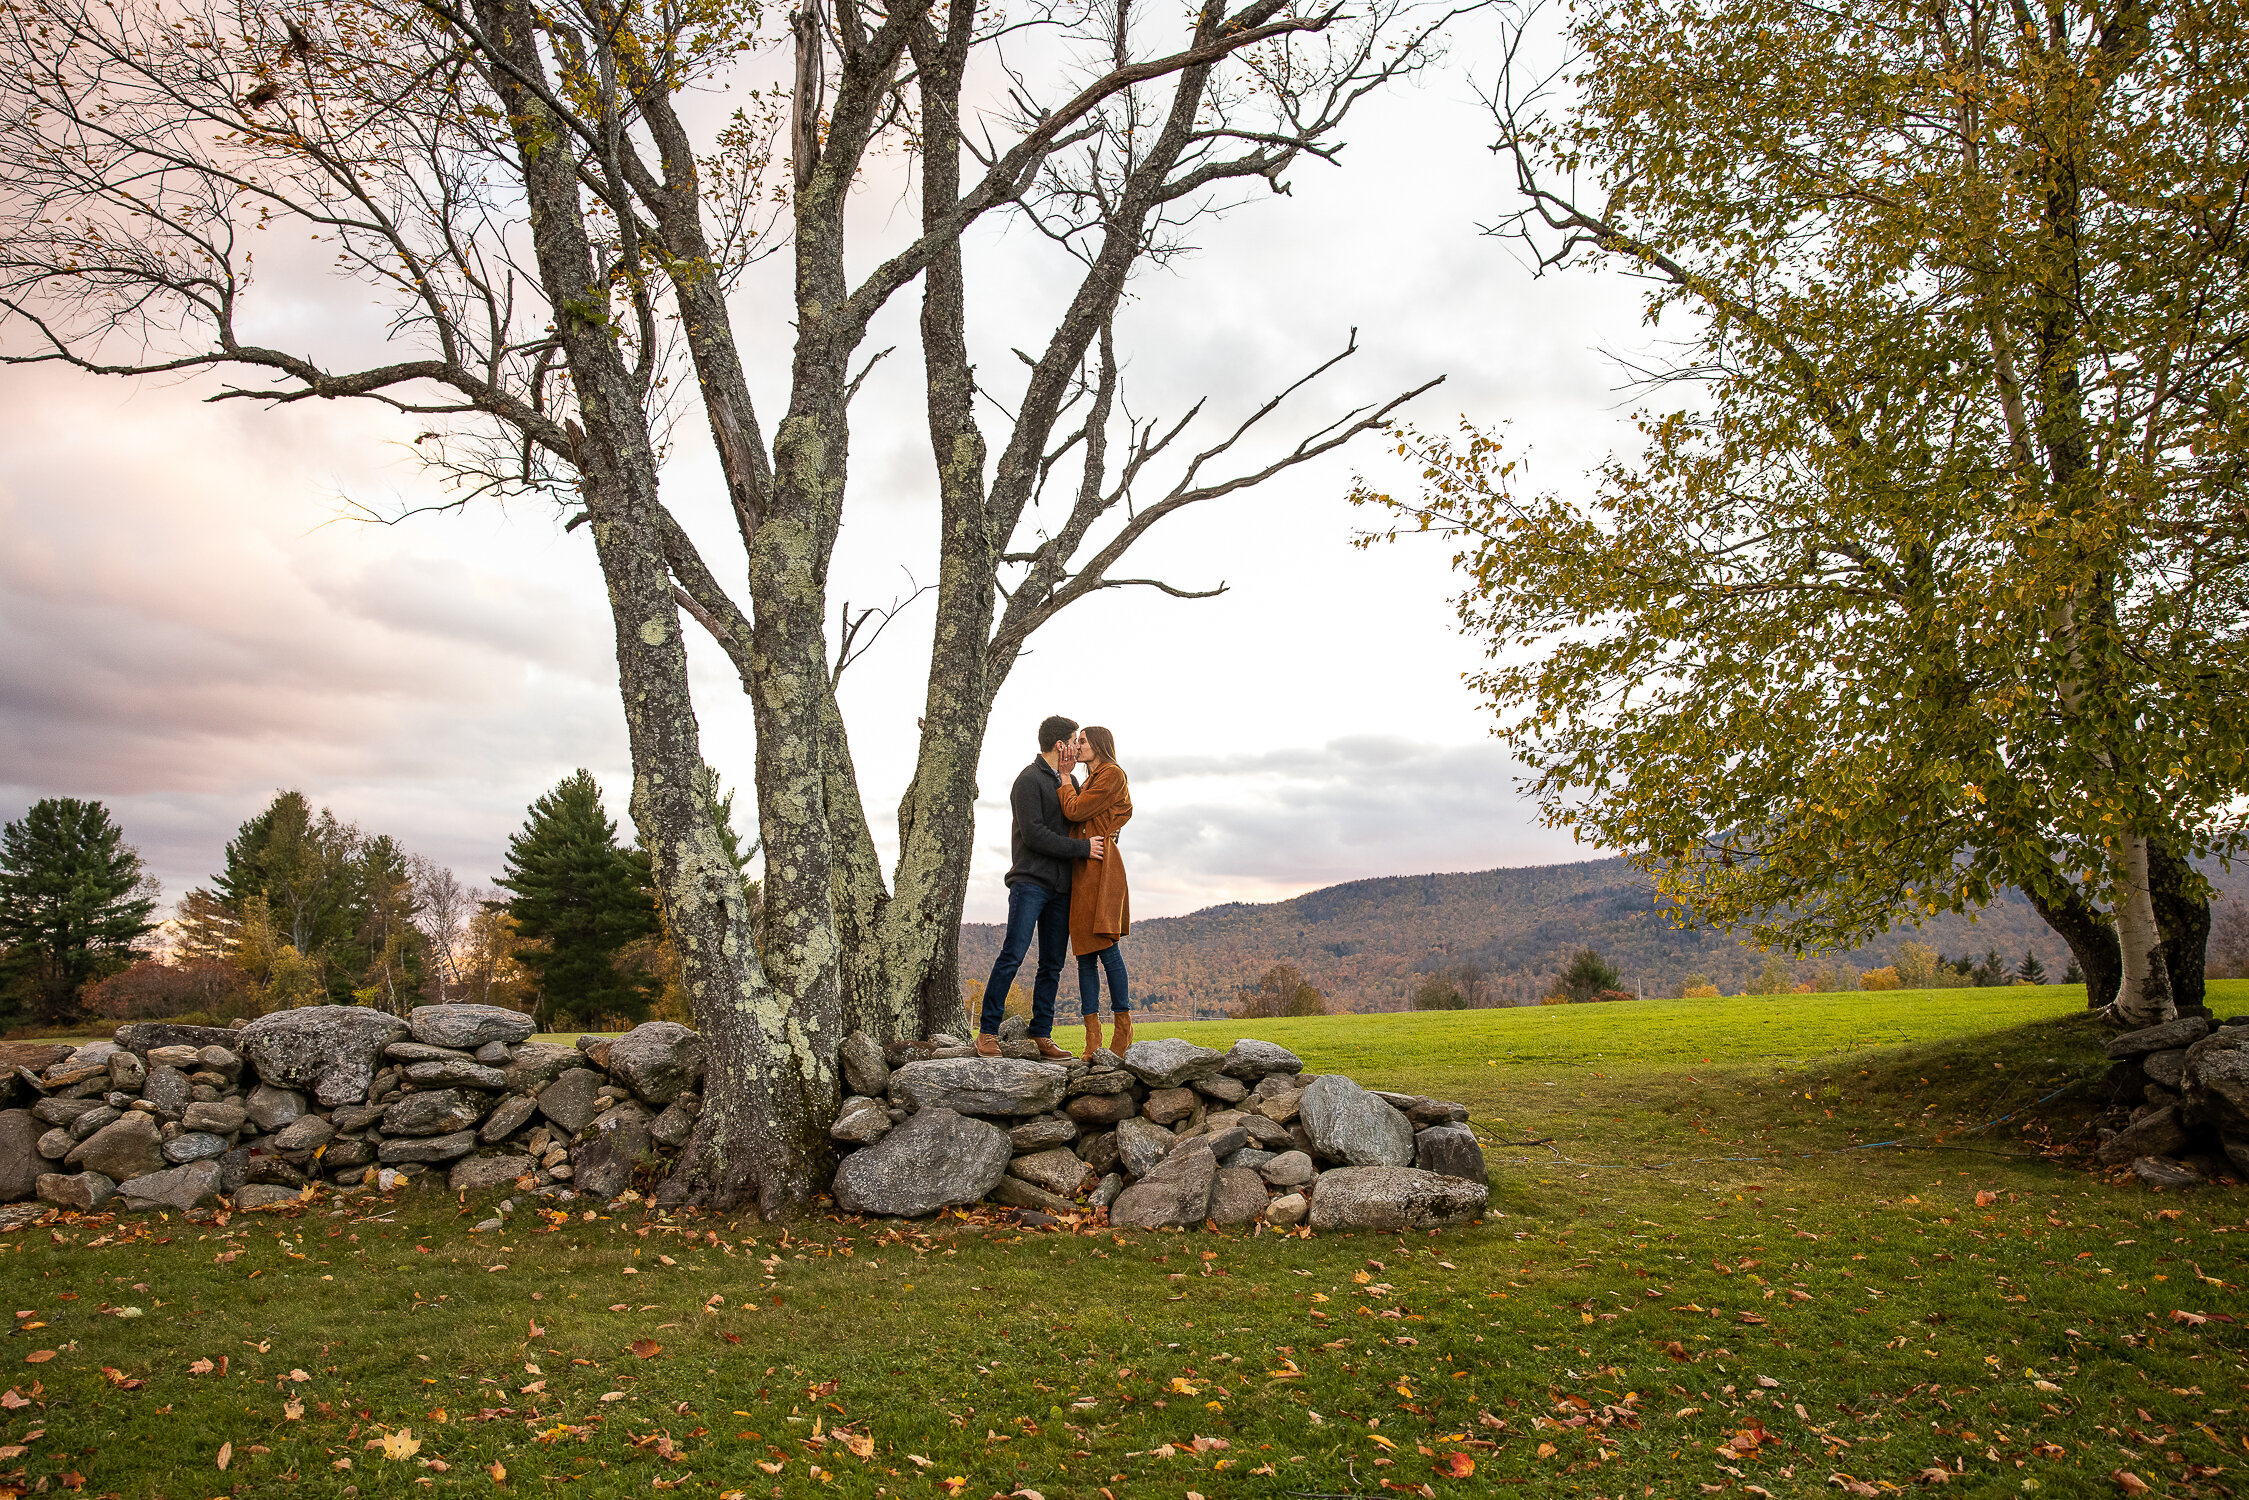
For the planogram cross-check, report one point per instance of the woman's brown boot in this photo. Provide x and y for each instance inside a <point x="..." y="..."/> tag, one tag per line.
<point x="1121" y="1037"/>
<point x="1092" y="1036"/>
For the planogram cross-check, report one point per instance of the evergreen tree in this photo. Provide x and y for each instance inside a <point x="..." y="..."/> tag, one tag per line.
<point x="584" y="896"/>
<point x="396" y="949"/>
<point x="310" y="871"/>
<point x="72" y="900"/>
<point x="2030" y="970"/>
<point x="2073" y="974"/>
<point x="1992" y="970"/>
<point x="1588" y="974"/>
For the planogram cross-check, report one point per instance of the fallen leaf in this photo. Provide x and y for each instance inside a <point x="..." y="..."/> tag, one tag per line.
<point x="917" y="1460"/>
<point x="612" y="1395"/>
<point x="860" y="1444"/>
<point x="201" y="1367"/>
<point x="38" y="1356"/>
<point x="954" y="1485"/>
<point x="1454" y="1466"/>
<point x="2192" y="1320"/>
<point x="13" y="1400"/>
<point x="226" y="1454"/>
<point x="498" y="1471"/>
<point x="401" y="1444"/>
<point x="532" y="1389"/>
<point x="1545" y="1450"/>
<point x="120" y="1379"/>
<point x="1986" y="1199"/>
<point x="1851" y="1486"/>
<point x="292" y="1409"/>
<point x="1934" y="1474"/>
<point x="646" y="1348"/>
<point x="2129" y="1482"/>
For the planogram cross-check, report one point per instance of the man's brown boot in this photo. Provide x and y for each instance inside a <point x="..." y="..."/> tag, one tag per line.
<point x="1121" y="1038"/>
<point x="1047" y="1047"/>
<point x="987" y="1045"/>
<point x="1092" y="1036"/>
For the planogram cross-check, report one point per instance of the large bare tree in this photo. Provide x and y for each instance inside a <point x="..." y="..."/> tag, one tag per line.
<point x="550" y="208"/>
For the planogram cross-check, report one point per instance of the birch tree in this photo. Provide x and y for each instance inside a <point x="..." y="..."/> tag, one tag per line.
<point x="1927" y="577"/>
<point x="542" y="205"/>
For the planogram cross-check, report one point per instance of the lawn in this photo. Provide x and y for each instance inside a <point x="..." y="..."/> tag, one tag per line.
<point x="1706" y="1278"/>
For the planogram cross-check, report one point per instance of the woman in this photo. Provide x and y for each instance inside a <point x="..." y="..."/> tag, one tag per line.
<point x="1100" y="905"/>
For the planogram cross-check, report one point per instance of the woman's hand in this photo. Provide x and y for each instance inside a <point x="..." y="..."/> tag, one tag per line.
<point x="1100" y="847"/>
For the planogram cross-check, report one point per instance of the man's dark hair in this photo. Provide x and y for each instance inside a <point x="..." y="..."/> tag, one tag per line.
<point x="1054" y="727"/>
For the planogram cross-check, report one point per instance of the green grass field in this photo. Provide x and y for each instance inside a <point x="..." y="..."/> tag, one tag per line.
<point x="1705" y="1279"/>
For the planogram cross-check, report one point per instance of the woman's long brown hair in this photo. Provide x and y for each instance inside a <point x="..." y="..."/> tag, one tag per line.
<point x="1104" y="745"/>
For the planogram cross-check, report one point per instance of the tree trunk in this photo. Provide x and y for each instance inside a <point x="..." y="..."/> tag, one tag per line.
<point x="771" y="1086"/>
<point x="2144" y="997"/>
<point x="2183" y="917"/>
<point x="2092" y="941"/>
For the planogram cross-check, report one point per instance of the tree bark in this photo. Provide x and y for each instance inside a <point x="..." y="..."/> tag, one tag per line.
<point x="772" y="1087"/>
<point x="2092" y="941"/>
<point x="2183" y="917"/>
<point x="2144" y="996"/>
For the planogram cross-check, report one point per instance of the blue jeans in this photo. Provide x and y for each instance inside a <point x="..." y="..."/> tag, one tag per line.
<point x="1031" y="907"/>
<point x="1110" y="958"/>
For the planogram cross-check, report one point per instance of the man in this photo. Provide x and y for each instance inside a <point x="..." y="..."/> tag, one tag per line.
<point x="1038" y="889"/>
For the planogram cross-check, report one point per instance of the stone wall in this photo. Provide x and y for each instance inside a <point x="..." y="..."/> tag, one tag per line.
<point x="178" y="1117"/>
<point x="2180" y="1093"/>
<point x="1168" y="1134"/>
<point x="182" y="1117"/>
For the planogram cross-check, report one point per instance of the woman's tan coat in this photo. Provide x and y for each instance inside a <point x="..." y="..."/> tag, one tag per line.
<point x="1100" y="902"/>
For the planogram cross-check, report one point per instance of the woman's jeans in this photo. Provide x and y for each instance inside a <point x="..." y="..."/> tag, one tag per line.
<point x="1089" y="982"/>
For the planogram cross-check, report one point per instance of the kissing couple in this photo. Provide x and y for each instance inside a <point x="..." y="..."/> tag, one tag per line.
<point x="1066" y="884"/>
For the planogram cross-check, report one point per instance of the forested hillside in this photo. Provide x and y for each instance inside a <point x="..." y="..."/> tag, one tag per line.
<point x="1367" y="943"/>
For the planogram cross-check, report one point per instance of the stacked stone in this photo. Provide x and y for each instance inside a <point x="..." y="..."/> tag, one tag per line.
<point x="1168" y="1134"/>
<point x="175" y="1117"/>
<point x="2183" y="1088"/>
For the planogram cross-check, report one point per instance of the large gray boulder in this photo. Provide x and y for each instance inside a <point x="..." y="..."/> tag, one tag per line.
<point x="1237" y="1196"/>
<point x="1394" y="1198"/>
<point x="167" y="1089"/>
<point x="865" y="1069"/>
<point x="144" y="1037"/>
<point x="1102" y="1081"/>
<point x="127" y="1148"/>
<point x="270" y="1108"/>
<point x="455" y="1072"/>
<point x="1349" y="1125"/>
<point x="980" y="1085"/>
<point x="537" y="1064"/>
<point x="438" y="1112"/>
<point x="84" y="1191"/>
<point x="1100" y="1111"/>
<point x="180" y="1189"/>
<point x="621" y="1141"/>
<point x="1140" y="1146"/>
<point x="2183" y="1032"/>
<point x="218" y="1116"/>
<point x="194" y="1145"/>
<point x="1290" y="1169"/>
<point x="1040" y="1132"/>
<point x="569" y="1101"/>
<point x="2214" y="1078"/>
<point x="468" y="1027"/>
<point x="481" y="1174"/>
<point x="21" y="1165"/>
<point x="2159" y="1132"/>
<point x="1168" y="1062"/>
<point x="1059" y="1171"/>
<point x="658" y="1060"/>
<point x="1450" y="1151"/>
<point x="936" y="1159"/>
<point x="508" y="1116"/>
<point x="330" y="1049"/>
<point x="1251" y="1060"/>
<point x="1176" y="1191"/>
<point x="861" y="1122"/>
<point x="426" y="1148"/>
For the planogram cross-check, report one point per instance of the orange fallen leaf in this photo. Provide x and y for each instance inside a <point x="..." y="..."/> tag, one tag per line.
<point x="1454" y="1466"/>
<point x="201" y="1367"/>
<point x="1986" y="1199"/>
<point x="1545" y="1450"/>
<point x="954" y="1485"/>
<point x="226" y="1454"/>
<point x="120" y="1379"/>
<point x="498" y="1471"/>
<point x="38" y="1356"/>
<point x="2129" y="1482"/>
<point x="646" y="1348"/>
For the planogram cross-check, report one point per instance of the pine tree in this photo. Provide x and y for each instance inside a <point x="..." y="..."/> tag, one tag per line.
<point x="1588" y="974"/>
<point x="585" y="897"/>
<point x="2030" y="970"/>
<point x="72" y="900"/>
<point x="310" y="870"/>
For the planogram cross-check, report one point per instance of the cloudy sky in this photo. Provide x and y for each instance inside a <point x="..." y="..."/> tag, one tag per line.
<point x="186" y="622"/>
